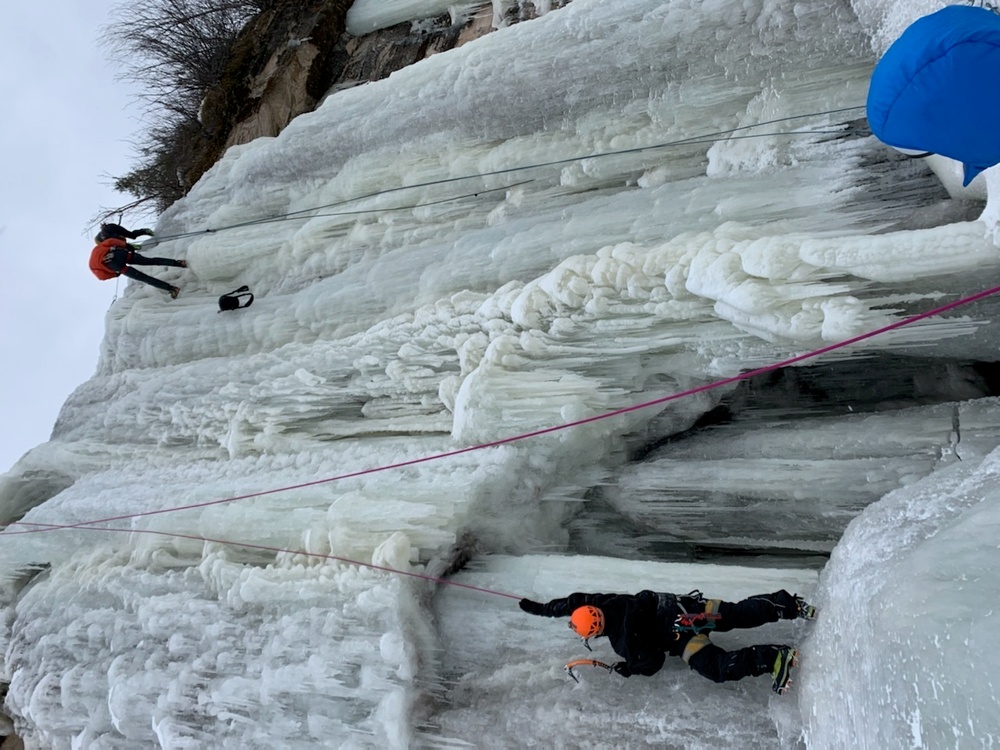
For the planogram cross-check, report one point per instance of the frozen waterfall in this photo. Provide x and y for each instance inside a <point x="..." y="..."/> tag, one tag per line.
<point x="607" y="204"/>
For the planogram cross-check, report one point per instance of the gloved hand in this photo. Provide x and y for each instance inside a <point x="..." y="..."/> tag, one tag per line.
<point x="147" y="232"/>
<point x="532" y="608"/>
<point x="622" y="669"/>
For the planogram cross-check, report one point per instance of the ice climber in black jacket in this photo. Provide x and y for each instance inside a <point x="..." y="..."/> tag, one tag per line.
<point x="644" y="628"/>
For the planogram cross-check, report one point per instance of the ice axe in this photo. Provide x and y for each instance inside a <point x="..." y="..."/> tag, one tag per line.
<point x="581" y="662"/>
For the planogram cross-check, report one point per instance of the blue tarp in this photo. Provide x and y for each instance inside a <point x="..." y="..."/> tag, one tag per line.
<point x="937" y="88"/>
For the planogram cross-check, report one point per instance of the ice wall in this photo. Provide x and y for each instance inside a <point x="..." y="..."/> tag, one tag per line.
<point x="885" y="21"/>
<point x="256" y="653"/>
<point x="495" y="240"/>
<point x="511" y="686"/>
<point x="739" y="484"/>
<point x="904" y="648"/>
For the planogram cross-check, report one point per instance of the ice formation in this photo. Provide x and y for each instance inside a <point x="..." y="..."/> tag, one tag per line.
<point x="496" y="240"/>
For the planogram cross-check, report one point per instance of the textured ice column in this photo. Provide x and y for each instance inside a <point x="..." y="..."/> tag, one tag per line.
<point x="903" y="653"/>
<point x="219" y="655"/>
<point x="366" y="16"/>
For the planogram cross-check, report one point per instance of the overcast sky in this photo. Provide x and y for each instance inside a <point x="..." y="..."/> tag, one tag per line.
<point x="67" y="124"/>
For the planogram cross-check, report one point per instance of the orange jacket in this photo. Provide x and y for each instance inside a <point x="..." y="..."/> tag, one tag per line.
<point x="97" y="264"/>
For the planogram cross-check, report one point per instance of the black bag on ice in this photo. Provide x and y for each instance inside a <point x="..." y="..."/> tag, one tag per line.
<point x="236" y="299"/>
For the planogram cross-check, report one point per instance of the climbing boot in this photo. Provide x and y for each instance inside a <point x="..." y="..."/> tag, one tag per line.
<point x="782" y="672"/>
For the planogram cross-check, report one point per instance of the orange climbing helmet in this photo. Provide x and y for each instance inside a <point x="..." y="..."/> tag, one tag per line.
<point x="587" y="621"/>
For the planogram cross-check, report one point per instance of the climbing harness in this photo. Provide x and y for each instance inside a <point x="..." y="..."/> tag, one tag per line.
<point x="695" y="623"/>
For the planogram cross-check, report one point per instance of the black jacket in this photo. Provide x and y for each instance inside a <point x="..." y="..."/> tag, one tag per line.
<point x="639" y="626"/>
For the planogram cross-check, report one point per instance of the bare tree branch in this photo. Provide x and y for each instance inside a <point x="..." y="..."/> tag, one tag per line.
<point x="176" y="51"/>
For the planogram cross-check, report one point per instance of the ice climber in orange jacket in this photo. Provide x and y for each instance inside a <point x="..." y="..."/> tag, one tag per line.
<point x="113" y="256"/>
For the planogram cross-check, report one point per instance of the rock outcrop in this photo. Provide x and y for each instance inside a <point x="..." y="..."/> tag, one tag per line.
<point x="290" y="57"/>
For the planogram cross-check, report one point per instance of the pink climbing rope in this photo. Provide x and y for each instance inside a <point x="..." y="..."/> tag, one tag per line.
<point x="91" y="525"/>
<point x="277" y="550"/>
<point x="545" y="430"/>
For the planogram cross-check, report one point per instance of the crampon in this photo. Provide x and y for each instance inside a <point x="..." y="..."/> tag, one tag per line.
<point x="782" y="673"/>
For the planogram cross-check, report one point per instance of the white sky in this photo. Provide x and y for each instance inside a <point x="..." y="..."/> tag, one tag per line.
<point x="67" y="125"/>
